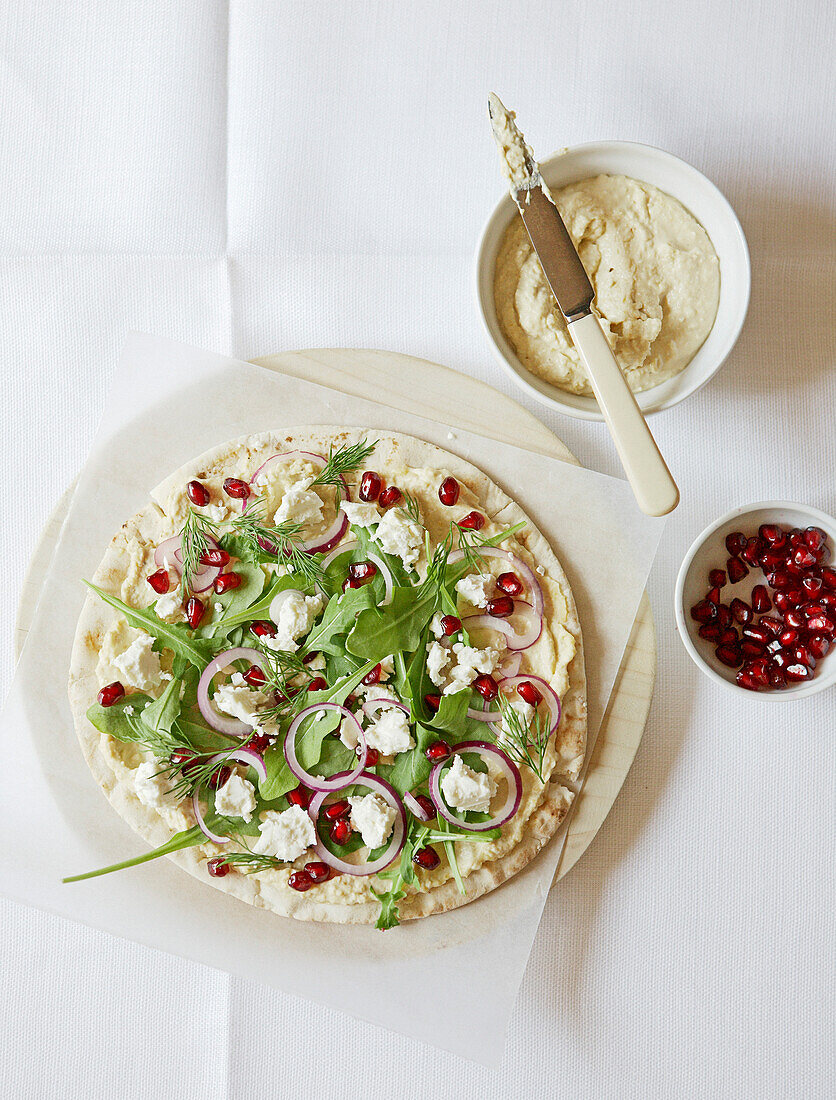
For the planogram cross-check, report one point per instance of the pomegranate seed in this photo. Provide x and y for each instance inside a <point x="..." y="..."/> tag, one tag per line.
<point x="529" y="693"/>
<point x="754" y="548"/>
<point x="783" y="601"/>
<point x="510" y="583"/>
<point x="828" y="577"/>
<point x="362" y="570"/>
<point x="803" y="557"/>
<point x="709" y="631"/>
<point x="219" y="776"/>
<point x="804" y="656"/>
<point x="194" y="611"/>
<point x="448" y="491"/>
<point x="788" y="637"/>
<point x="340" y="831"/>
<point x="438" y="750"/>
<point x="181" y="758"/>
<point x="814" y="537"/>
<point x="235" y="487"/>
<point x="214" y="557"/>
<point x="782" y="579"/>
<point x="486" y="686"/>
<point x="794" y="617"/>
<point x="312" y="656"/>
<point x="349" y="582"/>
<point x="822" y="555"/>
<point x="319" y="683"/>
<point x="781" y="660"/>
<point x="818" y="645"/>
<point x="756" y="633"/>
<point x="772" y="624"/>
<point x="746" y="680"/>
<point x="717" y="578"/>
<point x="704" y="611"/>
<point x="301" y="881"/>
<point x="450" y="624"/>
<point x="797" y="672"/>
<point x="433" y="701"/>
<point x="389" y="497"/>
<point x="724" y="617"/>
<point x="736" y="570"/>
<point x="317" y="871"/>
<point x="299" y="796"/>
<point x="259" y="742"/>
<point x="225" y="582"/>
<point x="810" y="610"/>
<point x="160" y="581"/>
<point x="760" y="599"/>
<point x="751" y="648"/>
<point x="255" y="677"/>
<point x="428" y="858"/>
<point x="110" y="694"/>
<point x="263" y="628"/>
<point x="773" y="646"/>
<point x="473" y="521"/>
<point x="500" y="607"/>
<point x="777" y="679"/>
<point x="741" y="612"/>
<point x="713" y="595"/>
<point x="373" y="677"/>
<point x="217" y="867"/>
<point x="370" y="486"/>
<point x="820" y="624"/>
<point x="796" y="537"/>
<point x="735" y="543"/>
<point x="335" y="810"/>
<point x="730" y="655"/>
<point x="372" y="756"/>
<point x="829" y="601"/>
<point x="729" y="636"/>
<point x="426" y="805"/>
<point x="198" y="494"/>
<point x="811" y="585"/>
<point x="771" y="559"/>
<point x="771" y="533"/>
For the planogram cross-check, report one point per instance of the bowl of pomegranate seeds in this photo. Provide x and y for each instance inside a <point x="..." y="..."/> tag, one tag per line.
<point x="756" y="600"/>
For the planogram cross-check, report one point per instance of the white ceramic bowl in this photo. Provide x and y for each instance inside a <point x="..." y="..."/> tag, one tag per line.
<point x="709" y="552"/>
<point x="698" y="195"/>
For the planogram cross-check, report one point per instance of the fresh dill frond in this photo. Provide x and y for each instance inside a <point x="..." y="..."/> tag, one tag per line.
<point x="194" y="541"/>
<point x="525" y="742"/>
<point x="283" y="540"/>
<point x="410" y="507"/>
<point x="284" y="671"/>
<point x="251" y="862"/>
<point x="468" y="542"/>
<point x="344" y="460"/>
<point x="159" y="742"/>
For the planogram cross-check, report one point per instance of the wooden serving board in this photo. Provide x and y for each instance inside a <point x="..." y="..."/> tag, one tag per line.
<point x="425" y="389"/>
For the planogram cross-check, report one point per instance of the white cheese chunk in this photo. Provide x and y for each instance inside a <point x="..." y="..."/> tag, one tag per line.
<point x="139" y="666"/>
<point x="438" y="658"/>
<point x="153" y="787"/>
<point x="465" y="789"/>
<point x="239" y="701"/>
<point x="401" y="536"/>
<point x="300" y="504"/>
<point x="373" y="818"/>
<point x="236" y="798"/>
<point x="169" y="607"/>
<point x="436" y="626"/>
<point x="470" y="663"/>
<point x="296" y="617"/>
<point x="218" y="513"/>
<point x="389" y="733"/>
<point x="387" y="667"/>
<point x="476" y="588"/>
<point x="285" y="835"/>
<point x="360" y="514"/>
<point x="348" y="732"/>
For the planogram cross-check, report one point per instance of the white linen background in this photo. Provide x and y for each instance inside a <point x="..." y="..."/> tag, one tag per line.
<point x="266" y="175"/>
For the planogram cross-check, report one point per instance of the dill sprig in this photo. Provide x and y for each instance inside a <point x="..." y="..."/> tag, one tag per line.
<point x="251" y="862"/>
<point x="159" y="742"/>
<point x="344" y="460"/>
<point x="283" y="539"/>
<point x="194" y="541"/>
<point x="468" y="542"/>
<point x="525" y="742"/>
<point x="410" y="507"/>
<point x="283" y="670"/>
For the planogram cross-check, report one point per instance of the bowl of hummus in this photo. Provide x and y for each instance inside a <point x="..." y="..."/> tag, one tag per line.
<point x="667" y="259"/>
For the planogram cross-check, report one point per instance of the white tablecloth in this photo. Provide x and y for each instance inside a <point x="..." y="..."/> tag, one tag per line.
<point x="261" y="175"/>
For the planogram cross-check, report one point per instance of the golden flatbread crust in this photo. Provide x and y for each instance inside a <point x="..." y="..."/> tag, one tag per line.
<point x="128" y="561"/>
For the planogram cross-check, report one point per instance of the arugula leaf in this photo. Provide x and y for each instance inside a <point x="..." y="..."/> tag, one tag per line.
<point x="338" y="619"/>
<point x="187" y="839"/>
<point x="177" y="637"/>
<point x="411" y="769"/>
<point x="261" y="607"/>
<point x="395" y="628"/>
<point x="160" y="716"/>
<point x="113" y="720"/>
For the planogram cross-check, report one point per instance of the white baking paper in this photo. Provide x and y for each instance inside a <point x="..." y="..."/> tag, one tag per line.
<point x="450" y="980"/>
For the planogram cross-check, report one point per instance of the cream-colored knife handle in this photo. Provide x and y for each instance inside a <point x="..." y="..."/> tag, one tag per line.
<point x="655" y="489"/>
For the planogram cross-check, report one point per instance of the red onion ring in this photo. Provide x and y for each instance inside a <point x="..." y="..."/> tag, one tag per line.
<point x="528" y="574"/>
<point x="396" y="842"/>
<point x="344" y="548"/>
<point x="512" y="777"/>
<point x="216" y="838"/>
<point x="169" y="555"/>
<point x="317" y="782"/>
<point x="231" y="726"/>
<point x="279" y="599"/>
<point x="515" y="641"/>
<point x="246" y="756"/>
<point x="484" y="715"/>
<point x="550" y="697"/>
<point x="371" y="705"/>
<point x="415" y="807"/>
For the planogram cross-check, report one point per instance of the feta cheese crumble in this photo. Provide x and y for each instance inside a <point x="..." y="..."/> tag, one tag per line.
<point x="218" y="513"/>
<point x="348" y="732"/>
<point x="139" y="666"/>
<point x="300" y="504"/>
<point x="360" y="514"/>
<point x="238" y="700"/>
<point x="400" y="535"/>
<point x="436" y="626"/>
<point x="236" y="798"/>
<point x="465" y="789"/>
<point x="152" y="787"/>
<point x="389" y="733"/>
<point x="285" y="835"/>
<point x="296" y="617"/>
<point x="438" y="658"/>
<point x="470" y="663"/>
<point x="476" y="588"/>
<point x="373" y="818"/>
<point x="169" y="607"/>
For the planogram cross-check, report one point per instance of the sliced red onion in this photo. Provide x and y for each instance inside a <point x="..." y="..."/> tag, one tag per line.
<point x="344" y="548"/>
<point x="201" y="823"/>
<point x="512" y="777"/>
<point x="279" y="599"/>
<point x="510" y="665"/>
<point x="246" y="756"/>
<point x="219" y="722"/>
<point x="526" y="572"/>
<point x="169" y="555"/>
<point x="550" y="696"/>
<point x="320" y="544"/>
<point x="396" y="841"/>
<point x="484" y="715"/>
<point x="372" y="705"/>
<point x="515" y="641"/>
<point x="317" y="782"/>
<point x="415" y="807"/>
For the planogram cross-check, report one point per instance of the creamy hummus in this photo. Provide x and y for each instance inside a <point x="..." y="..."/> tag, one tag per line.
<point x="654" y="270"/>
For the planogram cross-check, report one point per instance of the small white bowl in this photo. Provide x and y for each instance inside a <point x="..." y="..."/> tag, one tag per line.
<point x="698" y="195"/>
<point x="709" y="552"/>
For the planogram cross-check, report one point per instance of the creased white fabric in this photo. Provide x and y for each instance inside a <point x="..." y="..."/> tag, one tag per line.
<point x="265" y="175"/>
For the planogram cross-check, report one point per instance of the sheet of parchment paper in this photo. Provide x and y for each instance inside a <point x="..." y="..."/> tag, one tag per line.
<point x="170" y="402"/>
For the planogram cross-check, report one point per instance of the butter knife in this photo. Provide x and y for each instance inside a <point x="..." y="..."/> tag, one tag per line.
<point x="654" y="487"/>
